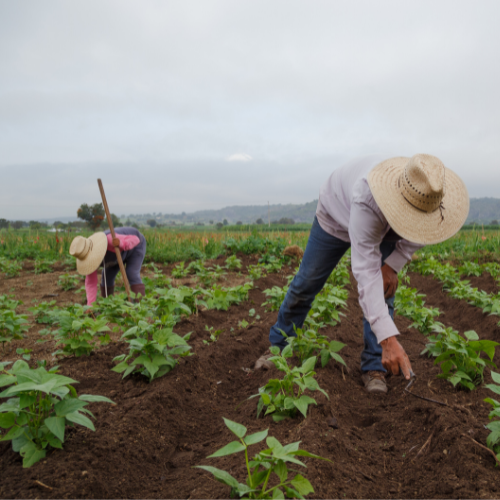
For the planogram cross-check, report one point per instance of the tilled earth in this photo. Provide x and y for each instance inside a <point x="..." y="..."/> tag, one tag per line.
<point x="393" y="446"/>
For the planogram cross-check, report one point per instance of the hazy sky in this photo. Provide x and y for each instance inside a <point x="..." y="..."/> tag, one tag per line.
<point x="185" y="105"/>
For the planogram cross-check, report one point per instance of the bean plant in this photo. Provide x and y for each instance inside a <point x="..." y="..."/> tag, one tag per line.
<point x="40" y="405"/>
<point x="493" y="439"/>
<point x="69" y="281"/>
<point x="459" y="357"/>
<point x="151" y="351"/>
<point x="45" y="312"/>
<point x="267" y="472"/>
<point x="12" y="326"/>
<point x="233" y="263"/>
<point x="283" y="397"/>
<point x="11" y="268"/>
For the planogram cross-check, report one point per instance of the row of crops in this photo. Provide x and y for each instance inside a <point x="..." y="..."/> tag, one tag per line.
<point x="41" y="402"/>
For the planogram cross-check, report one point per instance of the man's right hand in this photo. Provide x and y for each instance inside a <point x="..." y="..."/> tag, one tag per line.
<point x="394" y="358"/>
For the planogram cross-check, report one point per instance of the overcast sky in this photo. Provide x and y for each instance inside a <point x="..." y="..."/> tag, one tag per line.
<point x="186" y="105"/>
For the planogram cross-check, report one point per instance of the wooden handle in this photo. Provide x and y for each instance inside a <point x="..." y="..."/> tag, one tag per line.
<point x="113" y="235"/>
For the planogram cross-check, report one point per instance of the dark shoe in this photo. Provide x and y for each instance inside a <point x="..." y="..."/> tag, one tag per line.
<point x="263" y="362"/>
<point x="111" y="291"/>
<point x="139" y="289"/>
<point x="374" y="382"/>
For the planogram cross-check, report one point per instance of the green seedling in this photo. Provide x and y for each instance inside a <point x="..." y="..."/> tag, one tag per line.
<point x="256" y="271"/>
<point x="267" y="472"/>
<point x="283" y="397"/>
<point x="275" y="297"/>
<point x="11" y="268"/>
<point x="45" y="312"/>
<point x="26" y="353"/>
<point x="151" y="351"/>
<point x="69" y="281"/>
<point x="233" y="263"/>
<point x="12" y="326"/>
<point x="493" y="439"/>
<point x="308" y="343"/>
<point x="214" y="335"/>
<point x="42" y="267"/>
<point x="459" y="357"/>
<point x="180" y="271"/>
<point x="40" y="405"/>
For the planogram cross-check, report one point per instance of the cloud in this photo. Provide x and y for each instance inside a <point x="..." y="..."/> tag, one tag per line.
<point x="239" y="157"/>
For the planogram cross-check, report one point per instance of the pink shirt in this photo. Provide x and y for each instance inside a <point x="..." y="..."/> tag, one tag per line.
<point x="346" y="209"/>
<point x="127" y="242"/>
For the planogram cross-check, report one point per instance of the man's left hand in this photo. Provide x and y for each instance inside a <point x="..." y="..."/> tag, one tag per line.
<point x="390" y="281"/>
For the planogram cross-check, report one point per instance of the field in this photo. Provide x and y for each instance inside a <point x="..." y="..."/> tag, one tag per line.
<point x="147" y="444"/>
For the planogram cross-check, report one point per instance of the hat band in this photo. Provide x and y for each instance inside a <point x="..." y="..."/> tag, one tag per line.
<point x="88" y="247"/>
<point x="425" y="202"/>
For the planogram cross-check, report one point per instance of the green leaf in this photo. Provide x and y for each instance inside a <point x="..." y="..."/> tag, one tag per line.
<point x="56" y="425"/>
<point x="7" y="420"/>
<point x="237" y="429"/>
<point x="120" y="367"/>
<point x="221" y="475"/>
<point x="229" y="449"/>
<point x="281" y="470"/>
<point x="78" y="418"/>
<point x="6" y="379"/>
<point x="14" y="433"/>
<point x="31" y="454"/>
<point x="471" y="335"/>
<point x="495" y="376"/>
<point x="256" y="438"/>
<point x="308" y="365"/>
<point x="278" y="494"/>
<point x="325" y="357"/>
<point x="69" y="405"/>
<point x="302" y="485"/>
<point x="493" y="387"/>
<point x="301" y="404"/>
<point x="91" y="398"/>
<point x="336" y="346"/>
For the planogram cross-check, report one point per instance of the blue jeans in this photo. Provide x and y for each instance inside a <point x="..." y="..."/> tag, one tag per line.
<point x="322" y="254"/>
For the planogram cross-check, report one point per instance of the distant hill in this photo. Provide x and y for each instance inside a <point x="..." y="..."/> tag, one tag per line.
<point x="482" y="211"/>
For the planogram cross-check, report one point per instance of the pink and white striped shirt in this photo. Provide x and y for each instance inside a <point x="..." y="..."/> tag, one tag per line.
<point x="347" y="210"/>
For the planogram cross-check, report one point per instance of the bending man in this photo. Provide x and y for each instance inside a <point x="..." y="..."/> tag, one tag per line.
<point x="384" y="210"/>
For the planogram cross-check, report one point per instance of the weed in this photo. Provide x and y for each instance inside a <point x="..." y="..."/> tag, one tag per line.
<point x="214" y="335"/>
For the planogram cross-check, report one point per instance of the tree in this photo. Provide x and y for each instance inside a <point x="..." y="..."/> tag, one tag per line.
<point x="18" y="224"/>
<point x="93" y="215"/>
<point x="225" y="222"/>
<point x="115" y="220"/>
<point x="239" y="223"/>
<point x="494" y="222"/>
<point x="151" y="223"/>
<point x="211" y="222"/>
<point x="4" y="224"/>
<point x="219" y="225"/>
<point x="259" y="221"/>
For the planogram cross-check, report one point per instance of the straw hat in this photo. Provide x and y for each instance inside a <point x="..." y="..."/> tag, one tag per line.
<point x="422" y="200"/>
<point x="89" y="252"/>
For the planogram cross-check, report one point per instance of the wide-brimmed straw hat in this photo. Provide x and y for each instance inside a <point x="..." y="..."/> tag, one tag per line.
<point x="89" y="252"/>
<point x="422" y="200"/>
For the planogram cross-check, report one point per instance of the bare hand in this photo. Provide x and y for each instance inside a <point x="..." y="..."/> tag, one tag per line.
<point x="390" y="281"/>
<point x="116" y="242"/>
<point x="394" y="358"/>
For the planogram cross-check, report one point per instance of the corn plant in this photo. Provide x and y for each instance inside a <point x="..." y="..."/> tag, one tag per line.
<point x="493" y="439"/>
<point x="460" y="358"/>
<point x="283" y="397"/>
<point x="267" y="472"/>
<point x="41" y="404"/>
<point x="69" y="281"/>
<point x="151" y="351"/>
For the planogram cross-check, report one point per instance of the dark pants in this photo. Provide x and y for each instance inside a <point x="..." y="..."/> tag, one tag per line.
<point x="323" y="253"/>
<point x="132" y="260"/>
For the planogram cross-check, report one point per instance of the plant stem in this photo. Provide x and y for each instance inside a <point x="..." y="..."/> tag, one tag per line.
<point x="248" y="465"/>
<point x="267" y="479"/>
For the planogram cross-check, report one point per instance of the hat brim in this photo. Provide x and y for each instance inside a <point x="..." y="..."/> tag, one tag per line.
<point x="93" y="259"/>
<point x="408" y="221"/>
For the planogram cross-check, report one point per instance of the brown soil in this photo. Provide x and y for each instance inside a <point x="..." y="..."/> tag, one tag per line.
<point x="394" y="446"/>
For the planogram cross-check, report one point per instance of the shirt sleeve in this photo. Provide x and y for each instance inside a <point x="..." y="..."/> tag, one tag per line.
<point x="91" y="287"/>
<point x="366" y="230"/>
<point x="127" y="242"/>
<point x="402" y="254"/>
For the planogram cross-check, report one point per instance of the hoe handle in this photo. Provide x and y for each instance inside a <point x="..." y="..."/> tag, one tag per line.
<point x="113" y="235"/>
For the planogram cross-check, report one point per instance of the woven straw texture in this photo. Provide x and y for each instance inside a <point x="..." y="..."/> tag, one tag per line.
<point x="89" y="252"/>
<point x="439" y="194"/>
